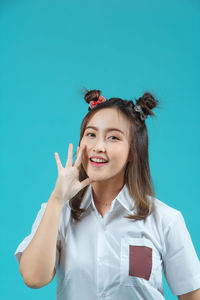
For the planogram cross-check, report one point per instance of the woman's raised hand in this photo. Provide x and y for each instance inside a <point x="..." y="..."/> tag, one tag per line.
<point x="67" y="183"/>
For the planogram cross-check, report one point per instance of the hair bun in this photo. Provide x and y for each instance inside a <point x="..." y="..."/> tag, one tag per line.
<point x="92" y="95"/>
<point x="147" y="103"/>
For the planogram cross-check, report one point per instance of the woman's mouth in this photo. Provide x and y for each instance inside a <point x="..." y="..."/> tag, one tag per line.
<point x="97" y="162"/>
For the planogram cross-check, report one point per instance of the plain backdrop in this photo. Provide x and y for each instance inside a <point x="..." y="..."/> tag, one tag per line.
<point x="51" y="50"/>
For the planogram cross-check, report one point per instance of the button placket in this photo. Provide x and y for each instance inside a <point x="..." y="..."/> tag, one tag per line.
<point x="100" y="263"/>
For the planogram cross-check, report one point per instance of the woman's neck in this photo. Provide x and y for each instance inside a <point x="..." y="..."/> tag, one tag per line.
<point x="105" y="192"/>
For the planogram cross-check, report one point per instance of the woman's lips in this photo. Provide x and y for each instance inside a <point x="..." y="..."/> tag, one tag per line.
<point x="96" y="164"/>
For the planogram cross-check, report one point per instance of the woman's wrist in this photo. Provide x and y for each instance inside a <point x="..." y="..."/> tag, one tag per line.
<point x="57" y="200"/>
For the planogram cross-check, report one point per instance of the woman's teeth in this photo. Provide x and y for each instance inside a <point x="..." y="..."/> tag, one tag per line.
<point x="98" y="160"/>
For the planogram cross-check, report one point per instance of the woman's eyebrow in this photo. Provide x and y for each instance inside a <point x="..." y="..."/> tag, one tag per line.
<point x="107" y="129"/>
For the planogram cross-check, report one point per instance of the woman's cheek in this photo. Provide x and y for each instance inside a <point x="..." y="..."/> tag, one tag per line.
<point x="81" y="142"/>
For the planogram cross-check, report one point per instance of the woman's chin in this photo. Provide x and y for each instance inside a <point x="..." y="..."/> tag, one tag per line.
<point x="95" y="177"/>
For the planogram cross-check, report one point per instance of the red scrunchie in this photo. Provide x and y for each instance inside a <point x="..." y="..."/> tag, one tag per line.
<point x="94" y="103"/>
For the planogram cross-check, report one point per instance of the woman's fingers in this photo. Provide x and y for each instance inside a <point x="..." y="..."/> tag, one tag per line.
<point x="85" y="182"/>
<point x="59" y="165"/>
<point x="79" y="156"/>
<point x="77" y="151"/>
<point x="78" y="160"/>
<point x="69" y="156"/>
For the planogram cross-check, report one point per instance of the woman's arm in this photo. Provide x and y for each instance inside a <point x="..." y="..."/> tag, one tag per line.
<point x="37" y="264"/>
<point x="38" y="260"/>
<point x="195" y="295"/>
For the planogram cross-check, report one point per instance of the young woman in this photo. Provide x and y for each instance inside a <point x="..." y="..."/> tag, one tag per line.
<point x="103" y="231"/>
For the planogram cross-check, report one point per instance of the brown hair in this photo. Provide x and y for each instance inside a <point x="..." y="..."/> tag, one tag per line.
<point x="137" y="173"/>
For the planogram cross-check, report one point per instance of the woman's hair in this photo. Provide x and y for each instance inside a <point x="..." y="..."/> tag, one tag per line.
<point x="137" y="173"/>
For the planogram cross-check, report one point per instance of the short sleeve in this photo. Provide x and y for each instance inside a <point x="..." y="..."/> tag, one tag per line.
<point x="181" y="263"/>
<point x="24" y="244"/>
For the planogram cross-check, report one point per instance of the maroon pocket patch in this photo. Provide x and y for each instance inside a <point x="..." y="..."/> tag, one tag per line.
<point x="140" y="261"/>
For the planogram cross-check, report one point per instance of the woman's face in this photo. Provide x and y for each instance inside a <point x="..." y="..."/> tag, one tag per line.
<point x="106" y="137"/>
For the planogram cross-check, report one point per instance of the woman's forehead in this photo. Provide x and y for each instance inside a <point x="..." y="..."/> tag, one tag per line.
<point x="109" y="118"/>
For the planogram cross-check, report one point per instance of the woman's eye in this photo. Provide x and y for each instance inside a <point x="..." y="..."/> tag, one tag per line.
<point x="90" y="134"/>
<point x="114" y="137"/>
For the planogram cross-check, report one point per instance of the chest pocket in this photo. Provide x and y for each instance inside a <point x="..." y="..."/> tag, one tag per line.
<point x="140" y="262"/>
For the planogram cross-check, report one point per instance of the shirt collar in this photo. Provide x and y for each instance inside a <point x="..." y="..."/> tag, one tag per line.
<point x="87" y="198"/>
<point x="124" y="198"/>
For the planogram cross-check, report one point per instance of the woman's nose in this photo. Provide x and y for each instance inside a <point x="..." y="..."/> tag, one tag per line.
<point x="99" y="145"/>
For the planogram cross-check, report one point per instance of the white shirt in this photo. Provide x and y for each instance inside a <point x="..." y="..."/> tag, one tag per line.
<point x="95" y="256"/>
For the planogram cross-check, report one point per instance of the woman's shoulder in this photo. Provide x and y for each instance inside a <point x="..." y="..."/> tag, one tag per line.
<point x="163" y="207"/>
<point x="165" y="212"/>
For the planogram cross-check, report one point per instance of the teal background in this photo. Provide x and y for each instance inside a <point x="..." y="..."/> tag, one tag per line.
<point x="49" y="51"/>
